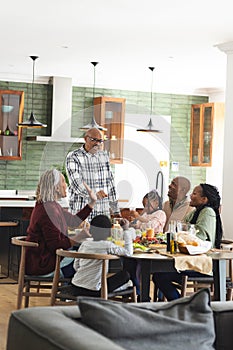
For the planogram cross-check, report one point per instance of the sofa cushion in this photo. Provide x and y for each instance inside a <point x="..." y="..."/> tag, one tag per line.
<point x="223" y="315"/>
<point x="53" y="328"/>
<point x="186" y="323"/>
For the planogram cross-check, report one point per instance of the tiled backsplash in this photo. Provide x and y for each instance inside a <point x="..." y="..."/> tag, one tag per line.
<point x="39" y="156"/>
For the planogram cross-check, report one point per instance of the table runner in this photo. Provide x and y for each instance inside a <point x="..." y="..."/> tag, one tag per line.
<point x="200" y="263"/>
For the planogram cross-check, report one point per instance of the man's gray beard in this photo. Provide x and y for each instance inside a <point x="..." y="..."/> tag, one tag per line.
<point x="94" y="150"/>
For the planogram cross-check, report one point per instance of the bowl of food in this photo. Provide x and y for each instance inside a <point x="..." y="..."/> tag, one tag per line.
<point x="194" y="247"/>
<point x="186" y="240"/>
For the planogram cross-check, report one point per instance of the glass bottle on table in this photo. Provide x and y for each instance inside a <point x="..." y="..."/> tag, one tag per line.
<point x="168" y="234"/>
<point x="179" y="226"/>
<point x="192" y="230"/>
<point x="173" y="239"/>
<point x="117" y="234"/>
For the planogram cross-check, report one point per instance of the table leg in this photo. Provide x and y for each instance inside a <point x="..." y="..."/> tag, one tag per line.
<point x="219" y="268"/>
<point x="145" y="280"/>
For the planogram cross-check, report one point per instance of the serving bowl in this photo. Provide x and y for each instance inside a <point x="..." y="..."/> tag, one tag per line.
<point x="182" y="248"/>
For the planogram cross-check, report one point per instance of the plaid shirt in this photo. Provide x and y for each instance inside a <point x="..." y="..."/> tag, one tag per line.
<point x="95" y="170"/>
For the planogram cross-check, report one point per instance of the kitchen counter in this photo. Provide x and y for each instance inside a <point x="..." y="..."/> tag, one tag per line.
<point x="13" y="203"/>
<point x="17" y="194"/>
<point x="20" y="202"/>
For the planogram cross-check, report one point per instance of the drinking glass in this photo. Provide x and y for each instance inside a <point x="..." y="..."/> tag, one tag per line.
<point x="149" y="230"/>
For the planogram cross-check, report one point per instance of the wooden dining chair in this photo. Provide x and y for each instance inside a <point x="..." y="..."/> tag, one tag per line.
<point x="61" y="296"/>
<point x="30" y="286"/>
<point x="193" y="284"/>
<point x="182" y="287"/>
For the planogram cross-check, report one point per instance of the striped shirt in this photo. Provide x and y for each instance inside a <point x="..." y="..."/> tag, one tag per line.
<point x="95" y="170"/>
<point x="88" y="272"/>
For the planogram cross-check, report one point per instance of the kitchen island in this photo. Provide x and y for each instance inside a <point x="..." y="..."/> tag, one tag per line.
<point x="13" y="209"/>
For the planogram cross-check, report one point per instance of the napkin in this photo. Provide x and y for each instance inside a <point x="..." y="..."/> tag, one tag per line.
<point x="203" y="247"/>
<point x="200" y="263"/>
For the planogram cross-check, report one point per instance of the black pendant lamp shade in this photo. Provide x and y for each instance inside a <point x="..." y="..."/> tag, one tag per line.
<point x="93" y="123"/>
<point x="150" y="127"/>
<point x="32" y="122"/>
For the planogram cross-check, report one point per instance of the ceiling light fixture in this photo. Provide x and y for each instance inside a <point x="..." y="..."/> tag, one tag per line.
<point x="150" y="127"/>
<point x="93" y="123"/>
<point x="32" y="122"/>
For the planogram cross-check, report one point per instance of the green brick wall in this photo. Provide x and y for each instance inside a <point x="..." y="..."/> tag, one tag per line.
<point x="38" y="156"/>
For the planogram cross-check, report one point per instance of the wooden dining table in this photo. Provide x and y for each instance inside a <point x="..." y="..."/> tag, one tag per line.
<point x="155" y="262"/>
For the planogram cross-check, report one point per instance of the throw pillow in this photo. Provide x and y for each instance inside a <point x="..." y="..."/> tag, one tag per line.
<point x="186" y="323"/>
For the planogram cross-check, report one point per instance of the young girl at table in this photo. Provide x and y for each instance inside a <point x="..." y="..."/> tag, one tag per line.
<point x="206" y="218"/>
<point x="152" y="216"/>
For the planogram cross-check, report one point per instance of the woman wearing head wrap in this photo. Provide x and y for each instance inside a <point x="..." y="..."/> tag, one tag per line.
<point x="206" y="218"/>
<point x="49" y="224"/>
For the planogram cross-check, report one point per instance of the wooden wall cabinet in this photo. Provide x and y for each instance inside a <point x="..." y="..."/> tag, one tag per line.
<point x="202" y="133"/>
<point x="11" y="113"/>
<point x="110" y="113"/>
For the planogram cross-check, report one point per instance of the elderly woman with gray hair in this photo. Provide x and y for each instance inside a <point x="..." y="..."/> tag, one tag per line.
<point x="49" y="225"/>
<point x="152" y="216"/>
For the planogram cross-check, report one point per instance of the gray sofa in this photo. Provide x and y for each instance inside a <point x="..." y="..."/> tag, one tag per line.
<point x="61" y="327"/>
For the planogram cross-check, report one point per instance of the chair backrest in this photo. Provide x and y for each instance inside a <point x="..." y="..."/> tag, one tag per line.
<point x="21" y="241"/>
<point x="76" y="255"/>
<point x="31" y="286"/>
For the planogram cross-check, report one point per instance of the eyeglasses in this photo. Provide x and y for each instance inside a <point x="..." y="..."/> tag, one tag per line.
<point x="93" y="139"/>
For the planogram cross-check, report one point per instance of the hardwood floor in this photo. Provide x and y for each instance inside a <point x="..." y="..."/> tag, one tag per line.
<point x="8" y="295"/>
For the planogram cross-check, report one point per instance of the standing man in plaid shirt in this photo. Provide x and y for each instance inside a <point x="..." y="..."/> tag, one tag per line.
<point x="91" y="164"/>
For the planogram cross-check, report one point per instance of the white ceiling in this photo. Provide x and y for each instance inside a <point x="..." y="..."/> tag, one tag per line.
<point x="177" y="37"/>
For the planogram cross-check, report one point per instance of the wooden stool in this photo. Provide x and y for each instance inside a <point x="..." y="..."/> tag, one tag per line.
<point x="9" y="225"/>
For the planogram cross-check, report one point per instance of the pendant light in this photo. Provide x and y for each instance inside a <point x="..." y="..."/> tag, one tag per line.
<point x="150" y="127"/>
<point x="32" y="122"/>
<point x="93" y="123"/>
